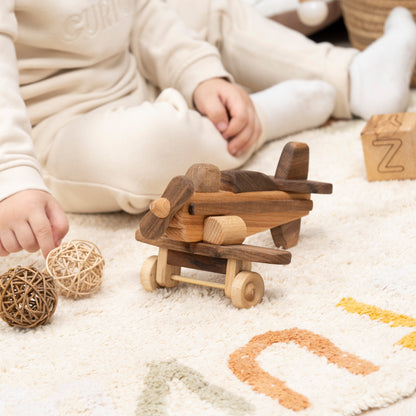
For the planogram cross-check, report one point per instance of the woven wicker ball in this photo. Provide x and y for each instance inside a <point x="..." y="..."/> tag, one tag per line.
<point x="77" y="267"/>
<point x="27" y="297"/>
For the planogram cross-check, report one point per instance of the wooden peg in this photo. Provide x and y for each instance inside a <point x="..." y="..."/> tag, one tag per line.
<point x="389" y="145"/>
<point x="225" y="230"/>
<point x="160" y="207"/>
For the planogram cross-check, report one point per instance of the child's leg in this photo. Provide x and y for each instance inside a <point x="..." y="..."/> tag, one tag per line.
<point x="261" y="53"/>
<point x="121" y="157"/>
<point x="293" y="106"/>
<point x="380" y="76"/>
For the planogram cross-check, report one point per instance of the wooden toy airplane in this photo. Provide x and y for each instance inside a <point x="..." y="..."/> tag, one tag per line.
<point x="203" y="217"/>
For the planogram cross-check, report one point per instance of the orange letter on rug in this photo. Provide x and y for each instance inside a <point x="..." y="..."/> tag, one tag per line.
<point x="388" y="317"/>
<point x="244" y="365"/>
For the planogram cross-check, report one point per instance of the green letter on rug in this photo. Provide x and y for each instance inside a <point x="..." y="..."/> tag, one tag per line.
<point x="152" y="401"/>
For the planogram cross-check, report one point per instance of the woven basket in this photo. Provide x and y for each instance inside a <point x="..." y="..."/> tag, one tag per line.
<point x="365" y="19"/>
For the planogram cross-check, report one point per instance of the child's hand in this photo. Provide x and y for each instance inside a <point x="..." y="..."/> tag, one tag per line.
<point x="30" y="220"/>
<point x="231" y="110"/>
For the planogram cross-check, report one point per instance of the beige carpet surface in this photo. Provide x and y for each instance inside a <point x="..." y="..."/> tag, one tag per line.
<point x="334" y="335"/>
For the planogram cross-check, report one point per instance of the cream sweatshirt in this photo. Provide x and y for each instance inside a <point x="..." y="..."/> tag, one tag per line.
<point x="60" y="57"/>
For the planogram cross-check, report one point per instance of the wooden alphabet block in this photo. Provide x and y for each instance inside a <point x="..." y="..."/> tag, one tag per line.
<point x="389" y="145"/>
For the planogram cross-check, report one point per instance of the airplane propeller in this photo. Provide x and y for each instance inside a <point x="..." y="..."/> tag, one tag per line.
<point x="156" y="221"/>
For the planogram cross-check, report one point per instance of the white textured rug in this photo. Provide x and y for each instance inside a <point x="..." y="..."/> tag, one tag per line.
<point x="335" y="333"/>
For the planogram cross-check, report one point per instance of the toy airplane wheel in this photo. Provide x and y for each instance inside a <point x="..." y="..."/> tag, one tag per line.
<point x="247" y="289"/>
<point x="148" y="274"/>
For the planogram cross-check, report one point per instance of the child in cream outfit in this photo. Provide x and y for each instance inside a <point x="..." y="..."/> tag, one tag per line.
<point x="104" y="101"/>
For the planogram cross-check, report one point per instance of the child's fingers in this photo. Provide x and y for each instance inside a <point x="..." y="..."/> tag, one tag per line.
<point x="9" y="241"/>
<point x="217" y="113"/>
<point x="58" y="221"/>
<point x="25" y="237"/>
<point x="42" y="230"/>
<point x="240" y="119"/>
<point x="3" y="252"/>
<point x="214" y="109"/>
<point x="30" y="220"/>
<point x="242" y="113"/>
<point x="246" y="138"/>
<point x="240" y="143"/>
<point x="231" y="110"/>
<point x="237" y="126"/>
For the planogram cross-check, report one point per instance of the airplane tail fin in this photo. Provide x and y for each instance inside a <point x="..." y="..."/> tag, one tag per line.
<point x="293" y="164"/>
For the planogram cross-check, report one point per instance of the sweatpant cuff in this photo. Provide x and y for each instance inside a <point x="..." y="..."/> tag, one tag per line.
<point x="337" y="74"/>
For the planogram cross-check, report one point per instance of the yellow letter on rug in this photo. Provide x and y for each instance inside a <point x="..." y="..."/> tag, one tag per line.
<point x="388" y="317"/>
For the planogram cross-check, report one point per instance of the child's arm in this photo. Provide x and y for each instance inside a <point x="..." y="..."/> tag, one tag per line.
<point x="231" y="110"/>
<point x="30" y="218"/>
<point x="168" y="53"/>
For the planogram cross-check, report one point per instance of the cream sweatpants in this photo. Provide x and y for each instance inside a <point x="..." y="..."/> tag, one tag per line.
<point x="122" y="155"/>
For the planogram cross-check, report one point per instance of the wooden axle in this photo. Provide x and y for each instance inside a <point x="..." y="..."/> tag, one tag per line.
<point x="197" y="282"/>
<point x="244" y="287"/>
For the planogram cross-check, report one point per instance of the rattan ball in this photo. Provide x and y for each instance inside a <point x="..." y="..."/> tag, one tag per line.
<point x="77" y="267"/>
<point x="27" y="297"/>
